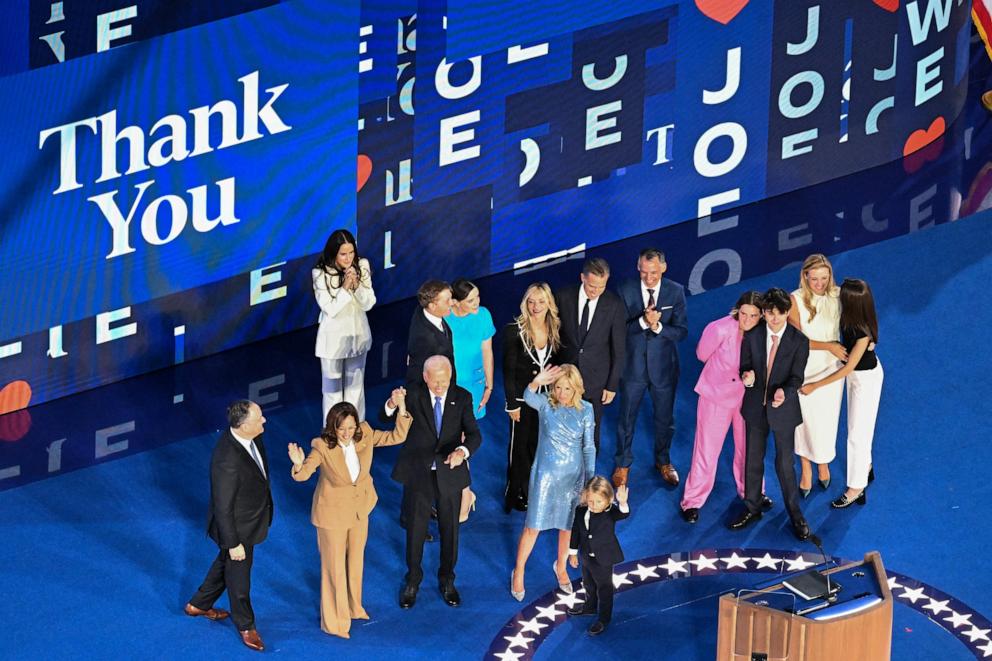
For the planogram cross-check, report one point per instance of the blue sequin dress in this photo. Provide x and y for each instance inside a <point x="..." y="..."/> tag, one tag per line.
<point x="566" y="458"/>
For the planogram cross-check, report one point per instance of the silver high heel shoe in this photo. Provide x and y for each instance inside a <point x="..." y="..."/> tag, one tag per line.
<point x="519" y="596"/>
<point x="564" y="587"/>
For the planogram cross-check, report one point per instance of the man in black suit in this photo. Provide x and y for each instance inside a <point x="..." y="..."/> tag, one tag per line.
<point x="593" y="334"/>
<point x="773" y="361"/>
<point x="430" y="334"/>
<point x="239" y="517"/>
<point x="431" y="467"/>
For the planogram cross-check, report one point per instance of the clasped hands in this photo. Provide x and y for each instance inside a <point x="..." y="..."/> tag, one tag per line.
<point x="652" y="317"/>
<point x="778" y="397"/>
<point x="351" y="278"/>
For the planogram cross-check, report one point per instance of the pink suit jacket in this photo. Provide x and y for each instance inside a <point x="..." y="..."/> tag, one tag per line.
<point x="720" y="349"/>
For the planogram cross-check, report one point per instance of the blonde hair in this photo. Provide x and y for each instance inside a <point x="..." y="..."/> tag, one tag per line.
<point x="552" y="323"/>
<point x="815" y="261"/>
<point x="570" y="374"/>
<point x="600" y="485"/>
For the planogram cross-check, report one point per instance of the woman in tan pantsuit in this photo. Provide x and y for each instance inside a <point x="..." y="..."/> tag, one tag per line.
<point x="342" y="502"/>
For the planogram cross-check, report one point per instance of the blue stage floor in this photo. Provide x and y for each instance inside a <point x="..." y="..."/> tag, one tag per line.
<point x="103" y="521"/>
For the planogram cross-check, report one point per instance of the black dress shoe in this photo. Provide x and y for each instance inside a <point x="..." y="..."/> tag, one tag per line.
<point x="744" y="520"/>
<point x="690" y="515"/>
<point x="596" y="628"/>
<point x="766" y="503"/>
<point x="801" y="529"/>
<point x="408" y="596"/>
<point x="450" y="594"/>
<point x="581" y="610"/>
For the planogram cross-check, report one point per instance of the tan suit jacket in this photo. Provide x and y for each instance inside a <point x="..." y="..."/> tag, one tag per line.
<point x="337" y="501"/>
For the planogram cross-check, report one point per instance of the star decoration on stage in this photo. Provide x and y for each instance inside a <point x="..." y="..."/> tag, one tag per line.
<point x="520" y="638"/>
<point x="702" y="562"/>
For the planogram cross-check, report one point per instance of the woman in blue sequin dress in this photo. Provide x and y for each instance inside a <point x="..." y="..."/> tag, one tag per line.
<point x="566" y="458"/>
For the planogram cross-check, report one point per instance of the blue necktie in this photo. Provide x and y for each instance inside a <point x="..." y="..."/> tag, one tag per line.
<point x="258" y="460"/>
<point x="437" y="415"/>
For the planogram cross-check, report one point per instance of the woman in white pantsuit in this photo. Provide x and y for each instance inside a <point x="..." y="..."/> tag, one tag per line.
<point x="342" y="285"/>
<point x="859" y="328"/>
<point x="816" y="312"/>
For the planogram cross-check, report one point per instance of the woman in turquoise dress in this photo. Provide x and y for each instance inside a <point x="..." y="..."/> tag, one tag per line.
<point x="566" y="458"/>
<point x="472" y="333"/>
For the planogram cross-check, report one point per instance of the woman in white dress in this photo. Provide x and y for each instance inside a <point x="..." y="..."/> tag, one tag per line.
<point x="816" y="312"/>
<point x="342" y="285"/>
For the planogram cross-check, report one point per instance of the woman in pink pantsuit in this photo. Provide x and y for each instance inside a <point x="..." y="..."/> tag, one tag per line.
<point x="720" y="393"/>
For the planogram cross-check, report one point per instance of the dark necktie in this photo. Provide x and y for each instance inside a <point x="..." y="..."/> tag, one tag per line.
<point x="650" y="298"/>
<point x="446" y="329"/>
<point x="437" y="415"/>
<point x="584" y="323"/>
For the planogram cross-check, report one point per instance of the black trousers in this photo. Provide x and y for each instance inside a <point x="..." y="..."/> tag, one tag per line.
<point x="785" y="468"/>
<point x="597" y="579"/>
<point x="235" y="577"/>
<point x="417" y="502"/>
<point x="521" y="453"/>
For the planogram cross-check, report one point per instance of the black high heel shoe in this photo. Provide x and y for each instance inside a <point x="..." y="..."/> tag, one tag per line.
<point x="842" y="502"/>
<point x="871" y="475"/>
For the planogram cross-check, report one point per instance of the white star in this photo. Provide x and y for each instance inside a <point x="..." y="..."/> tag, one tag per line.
<point x="509" y="656"/>
<point x="798" y="564"/>
<point x="702" y="562"/>
<point x="671" y="566"/>
<point x="986" y="649"/>
<point x="958" y="619"/>
<point x="531" y="626"/>
<point x="937" y="606"/>
<point x="767" y="561"/>
<point x="569" y="600"/>
<point x="621" y="579"/>
<point x="976" y="633"/>
<point x="644" y="573"/>
<point x="518" y="640"/>
<point x="549" y="612"/>
<point x="893" y="584"/>
<point x="735" y="561"/>
<point x="912" y="595"/>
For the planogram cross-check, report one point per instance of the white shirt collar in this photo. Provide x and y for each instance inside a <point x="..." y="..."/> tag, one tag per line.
<point x="241" y="439"/>
<point x="436" y="321"/>
<point x="443" y="396"/>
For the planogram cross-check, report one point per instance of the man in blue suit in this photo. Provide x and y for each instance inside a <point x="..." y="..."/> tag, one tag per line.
<point x="656" y="320"/>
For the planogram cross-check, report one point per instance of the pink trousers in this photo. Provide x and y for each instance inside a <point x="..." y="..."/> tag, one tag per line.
<point x="712" y="423"/>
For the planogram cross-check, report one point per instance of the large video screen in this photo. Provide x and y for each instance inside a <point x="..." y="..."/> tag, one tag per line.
<point x="170" y="170"/>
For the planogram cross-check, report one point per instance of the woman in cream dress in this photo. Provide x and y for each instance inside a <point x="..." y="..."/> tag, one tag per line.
<point x="816" y="312"/>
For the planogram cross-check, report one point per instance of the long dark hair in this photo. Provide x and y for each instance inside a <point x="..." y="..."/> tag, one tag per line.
<point x="327" y="261"/>
<point x="461" y="288"/>
<point x="857" y="308"/>
<point x="335" y="417"/>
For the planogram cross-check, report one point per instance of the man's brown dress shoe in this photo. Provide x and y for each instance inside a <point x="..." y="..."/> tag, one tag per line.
<point x="620" y="476"/>
<point x="210" y="613"/>
<point x="251" y="639"/>
<point x="668" y="473"/>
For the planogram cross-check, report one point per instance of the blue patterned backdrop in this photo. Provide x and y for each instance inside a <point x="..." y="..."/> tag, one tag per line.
<point x="170" y="171"/>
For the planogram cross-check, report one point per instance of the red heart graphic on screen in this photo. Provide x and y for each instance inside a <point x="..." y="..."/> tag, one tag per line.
<point x="14" y="426"/>
<point x="888" y="5"/>
<point x="721" y="11"/>
<point x="920" y="138"/>
<point x="14" y="396"/>
<point x="364" y="170"/>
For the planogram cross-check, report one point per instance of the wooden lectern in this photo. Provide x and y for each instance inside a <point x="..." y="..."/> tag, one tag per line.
<point x="855" y="625"/>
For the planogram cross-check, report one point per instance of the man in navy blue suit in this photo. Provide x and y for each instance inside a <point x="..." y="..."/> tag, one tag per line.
<point x="656" y="320"/>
